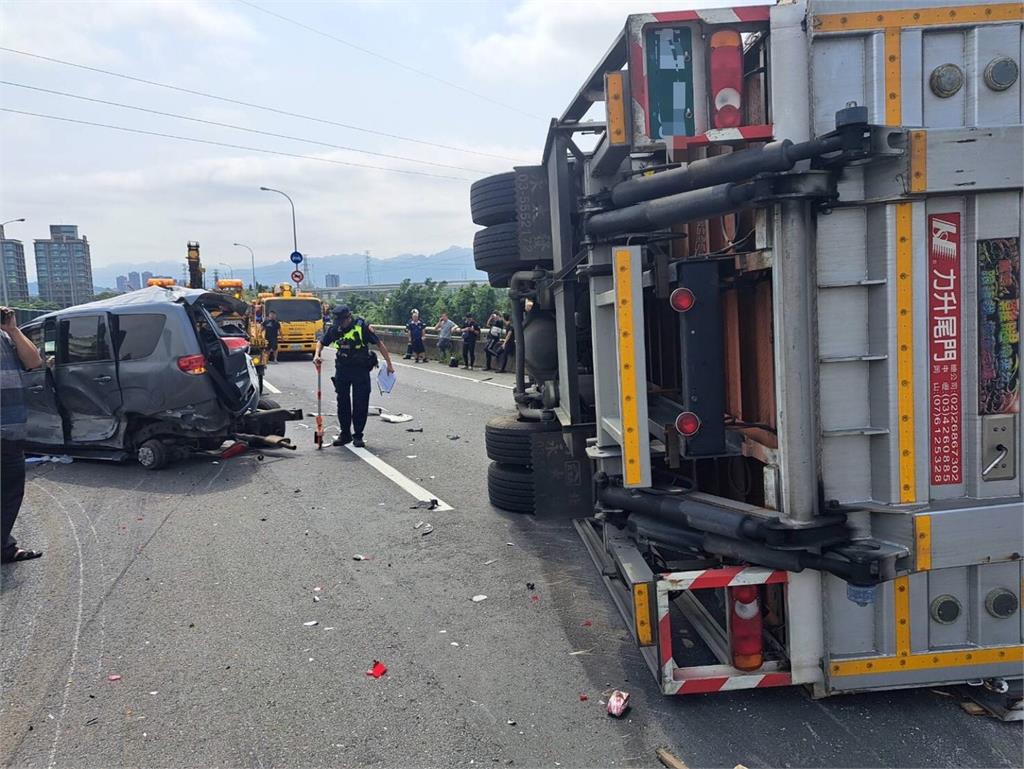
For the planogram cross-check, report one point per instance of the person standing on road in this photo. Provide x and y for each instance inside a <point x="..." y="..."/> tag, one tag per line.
<point x="351" y="337"/>
<point x="17" y="354"/>
<point x="444" y="328"/>
<point x="272" y="329"/>
<point x="415" y="328"/>
<point x="492" y="347"/>
<point x="470" y="333"/>
<point x="508" y="345"/>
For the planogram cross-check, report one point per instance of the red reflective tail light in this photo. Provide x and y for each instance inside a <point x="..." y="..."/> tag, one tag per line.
<point x="192" y="364"/>
<point x="236" y="343"/>
<point x="726" y="79"/>
<point x="746" y="639"/>
<point x="682" y="299"/>
<point x="687" y="424"/>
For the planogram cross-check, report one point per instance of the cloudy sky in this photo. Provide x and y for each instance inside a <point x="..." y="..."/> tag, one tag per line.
<point x="508" y="65"/>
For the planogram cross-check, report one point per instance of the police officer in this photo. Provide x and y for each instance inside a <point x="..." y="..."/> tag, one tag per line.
<point x="351" y="337"/>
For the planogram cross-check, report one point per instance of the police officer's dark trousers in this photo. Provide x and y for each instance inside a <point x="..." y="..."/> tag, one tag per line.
<point x="352" y="383"/>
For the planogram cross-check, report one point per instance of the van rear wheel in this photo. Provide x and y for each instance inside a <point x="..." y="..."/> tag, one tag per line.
<point x="153" y="454"/>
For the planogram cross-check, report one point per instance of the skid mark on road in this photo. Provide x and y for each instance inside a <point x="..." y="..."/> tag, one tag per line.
<point x="397" y="478"/>
<point x="456" y="376"/>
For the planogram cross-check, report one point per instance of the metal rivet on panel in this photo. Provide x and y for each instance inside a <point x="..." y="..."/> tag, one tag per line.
<point x="946" y="80"/>
<point x="1001" y="73"/>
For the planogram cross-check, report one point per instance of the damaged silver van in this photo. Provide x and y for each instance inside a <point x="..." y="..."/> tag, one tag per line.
<point x="148" y="374"/>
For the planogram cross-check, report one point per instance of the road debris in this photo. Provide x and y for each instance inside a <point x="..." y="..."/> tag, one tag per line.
<point x="511" y="722"/>
<point x="454" y="643"/>
<point x="414" y="429"/>
<point x="453" y="437"/>
<point x="587" y="623"/>
<point x="410" y="456"/>
<point x="427" y="529"/>
<point x="581" y="651"/>
<point x="113" y="677"/>
<point x="973" y="708"/>
<point x="670" y="760"/>
<point x="62" y="459"/>
<point x="488" y="563"/>
<point x="396" y="418"/>
<point x="316" y="599"/>
<point x="418" y="524"/>
<point x="535" y="598"/>
<point x="311" y="623"/>
<point x="424" y="504"/>
<point x="377" y="669"/>
<point x="236" y="448"/>
<point x="509" y="544"/>
<point x="618" y="703"/>
<point x="584" y="698"/>
<point x="360" y="557"/>
<point x="479" y="598"/>
<point x="317" y="589"/>
<point x="531" y="586"/>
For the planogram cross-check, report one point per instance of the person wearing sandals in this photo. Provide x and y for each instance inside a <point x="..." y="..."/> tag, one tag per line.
<point x="17" y="354"/>
<point x="415" y="327"/>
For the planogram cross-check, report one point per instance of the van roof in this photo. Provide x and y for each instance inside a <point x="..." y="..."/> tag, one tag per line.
<point x="153" y="296"/>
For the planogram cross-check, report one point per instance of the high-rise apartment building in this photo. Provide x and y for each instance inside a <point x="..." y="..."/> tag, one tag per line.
<point x="331" y="280"/>
<point x="122" y="284"/>
<point x="13" y="278"/>
<point x="64" y="266"/>
<point x="145" y="279"/>
<point x="134" y="281"/>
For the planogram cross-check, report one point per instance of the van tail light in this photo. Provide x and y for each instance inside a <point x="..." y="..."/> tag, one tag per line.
<point x="192" y="364"/>
<point x="687" y="424"/>
<point x="726" y="79"/>
<point x="236" y="343"/>
<point x="682" y="299"/>
<point x="746" y="640"/>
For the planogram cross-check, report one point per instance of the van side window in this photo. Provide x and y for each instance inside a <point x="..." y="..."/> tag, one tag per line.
<point x="34" y="334"/>
<point x="138" y="335"/>
<point x="83" y="340"/>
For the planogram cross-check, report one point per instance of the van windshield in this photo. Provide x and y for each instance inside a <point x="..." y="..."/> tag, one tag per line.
<point x="291" y="310"/>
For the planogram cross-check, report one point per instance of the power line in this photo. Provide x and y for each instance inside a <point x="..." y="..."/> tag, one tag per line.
<point x="252" y="105"/>
<point x="236" y="127"/>
<point x="231" y="146"/>
<point x="389" y="60"/>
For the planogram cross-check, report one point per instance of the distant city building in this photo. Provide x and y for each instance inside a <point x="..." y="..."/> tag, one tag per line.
<point x="331" y="280"/>
<point x="122" y="283"/>
<point x="13" y="278"/>
<point x="134" y="281"/>
<point x="64" y="266"/>
<point x="145" y="279"/>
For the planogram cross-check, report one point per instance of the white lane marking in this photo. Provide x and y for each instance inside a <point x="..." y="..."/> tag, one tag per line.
<point x="268" y="386"/>
<point x="397" y="478"/>
<point x="78" y="628"/>
<point x="455" y="376"/>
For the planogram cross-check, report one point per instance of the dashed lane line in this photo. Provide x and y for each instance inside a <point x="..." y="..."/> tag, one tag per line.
<point x="397" y="478"/>
<point x="455" y="376"/>
<point x="268" y="386"/>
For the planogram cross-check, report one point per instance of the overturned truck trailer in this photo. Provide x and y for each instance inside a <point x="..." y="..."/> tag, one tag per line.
<point x="766" y="286"/>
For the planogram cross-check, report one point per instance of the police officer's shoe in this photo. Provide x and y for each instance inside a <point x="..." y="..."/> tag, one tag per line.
<point x="341" y="440"/>
<point x="358" y="442"/>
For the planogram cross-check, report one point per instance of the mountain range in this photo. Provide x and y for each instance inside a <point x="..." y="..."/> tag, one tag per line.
<point x="454" y="263"/>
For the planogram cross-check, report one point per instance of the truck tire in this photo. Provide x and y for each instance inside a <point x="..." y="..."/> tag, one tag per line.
<point x="508" y="439"/>
<point x="496" y="251"/>
<point x="493" y="200"/>
<point x="499" y="279"/>
<point x="266" y="404"/>
<point x="510" y="487"/>
<point x="153" y="454"/>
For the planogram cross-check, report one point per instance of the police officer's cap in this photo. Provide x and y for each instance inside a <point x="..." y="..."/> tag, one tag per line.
<point x="341" y="311"/>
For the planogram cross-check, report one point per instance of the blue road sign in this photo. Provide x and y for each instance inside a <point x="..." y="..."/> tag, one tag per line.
<point x="296" y="257"/>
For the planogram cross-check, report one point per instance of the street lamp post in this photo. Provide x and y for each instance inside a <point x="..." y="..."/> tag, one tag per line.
<point x="9" y="221"/>
<point x="230" y="268"/>
<point x="295" y="237"/>
<point x="253" y="257"/>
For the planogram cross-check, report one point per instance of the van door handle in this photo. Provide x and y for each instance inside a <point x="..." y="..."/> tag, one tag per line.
<point x="36" y="389"/>
<point x="101" y="379"/>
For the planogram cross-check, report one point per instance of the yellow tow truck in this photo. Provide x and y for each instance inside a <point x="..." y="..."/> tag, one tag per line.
<point x="301" y="316"/>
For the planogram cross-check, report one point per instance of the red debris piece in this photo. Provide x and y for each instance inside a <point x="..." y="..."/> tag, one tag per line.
<point x="236" y="448"/>
<point x="587" y="623"/>
<point x="113" y="677"/>
<point x="377" y="669"/>
<point x="618" y="703"/>
<point x="535" y="598"/>
<point x="584" y="698"/>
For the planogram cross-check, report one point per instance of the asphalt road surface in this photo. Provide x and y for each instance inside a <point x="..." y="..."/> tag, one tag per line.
<point x="196" y="585"/>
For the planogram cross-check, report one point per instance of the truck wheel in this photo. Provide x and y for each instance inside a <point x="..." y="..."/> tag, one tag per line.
<point x="509" y="440"/>
<point x="266" y="404"/>
<point x="499" y="279"/>
<point x="153" y="454"/>
<point x="273" y="428"/>
<point x="496" y="250"/>
<point x="493" y="200"/>
<point x="510" y="487"/>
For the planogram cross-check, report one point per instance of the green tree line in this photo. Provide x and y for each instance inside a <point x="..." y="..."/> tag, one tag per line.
<point x="431" y="298"/>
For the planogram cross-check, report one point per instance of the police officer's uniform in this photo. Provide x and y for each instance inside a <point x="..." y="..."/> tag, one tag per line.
<point x="353" y="362"/>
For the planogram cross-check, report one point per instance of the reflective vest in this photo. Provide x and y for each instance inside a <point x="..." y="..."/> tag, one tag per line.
<point x="352" y="346"/>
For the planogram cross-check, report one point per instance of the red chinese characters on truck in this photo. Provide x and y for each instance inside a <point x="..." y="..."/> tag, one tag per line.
<point x="944" y="346"/>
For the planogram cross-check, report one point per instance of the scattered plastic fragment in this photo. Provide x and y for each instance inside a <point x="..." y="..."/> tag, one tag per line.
<point x="454" y="643"/>
<point x="236" y="448"/>
<point x="427" y="529"/>
<point x="316" y="599"/>
<point x="530" y="586"/>
<point x="511" y="722"/>
<point x="328" y="628"/>
<point x="396" y="418"/>
<point x="154" y="692"/>
<point x="259" y="457"/>
<point x="418" y="524"/>
<point x="414" y="429"/>
<point x="303" y="424"/>
<point x="509" y="544"/>
<point x="580" y="652"/>
<point x="479" y="598"/>
<point x="377" y="669"/>
<point x="311" y="623"/>
<point x="113" y="677"/>
<point x="584" y="698"/>
<point x="535" y="598"/>
<point x="442" y="631"/>
<point x="424" y="504"/>
<point x="587" y="623"/>
<point x="61" y="459"/>
<point x="410" y="456"/>
<point x="359" y="557"/>
<point x="317" y="589"/>
<point x="488" y="563"/>
<point x="454" y="437"/>
<point x="618" y="703"/>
